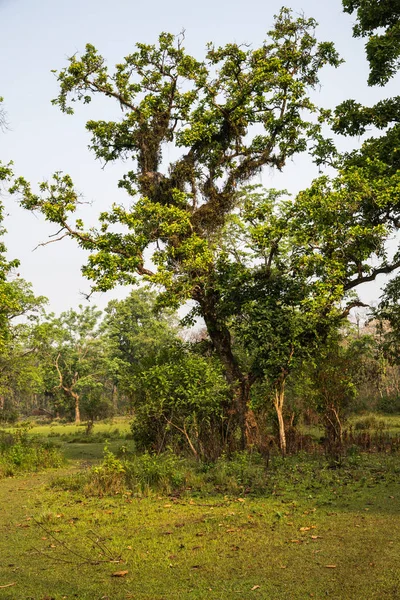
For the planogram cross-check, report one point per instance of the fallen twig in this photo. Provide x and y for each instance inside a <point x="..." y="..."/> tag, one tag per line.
<point x="95" y="539"/>
<point x="62" y="543"/>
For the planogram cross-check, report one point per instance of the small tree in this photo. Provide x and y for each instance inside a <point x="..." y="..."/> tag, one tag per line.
<point x="76" y="355"/>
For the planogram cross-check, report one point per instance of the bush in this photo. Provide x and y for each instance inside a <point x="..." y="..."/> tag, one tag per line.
<point x="243" y="472"/>
<point x="389" y="405"/>
<point x="148" y="471"/>
<point x="167" y="473"/>
<point x="108" y="477"/>
<point x="140" y="474"/>
<point x="369" y="422"/>
<point x="9" y="416"/>
<point x="19" y="452"/>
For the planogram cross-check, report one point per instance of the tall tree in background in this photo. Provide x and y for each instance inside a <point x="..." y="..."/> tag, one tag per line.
<point x="76" y="356"/>
<point x="139" y="336"/>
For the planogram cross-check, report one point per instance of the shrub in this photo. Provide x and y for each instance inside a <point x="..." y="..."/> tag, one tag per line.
<point x="369" y="422"/>
<point x="242" y="472"/>
<point x="140" y="474"/>
<point x="389" y="405"/>
<point x="19" y="452"/>
<point x="167" y="473"/>
<point x="149" y="471"/>
<point x="9" y="416"/>
<point x="108" y="477"/>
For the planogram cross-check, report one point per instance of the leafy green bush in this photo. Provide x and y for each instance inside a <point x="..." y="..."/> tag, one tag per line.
<point x="167" y="473"/>
<point x="242" y="472"/>
<point x="9" y="416"/>
<point x="19" y="452"/>
<point x="389" y="405"/>
<point x="148" y="471"/>
<point x="369" y="422"/>
<point x="140" y="474"/>
<point x="178" y="404"/>
<point x="108" y="477"/>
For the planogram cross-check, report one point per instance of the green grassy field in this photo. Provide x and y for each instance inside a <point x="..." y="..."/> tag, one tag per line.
<point x="305" y="539"/>
<point x="73" y="441"/>
<point x="118" y="426"/>
<point x="314" y="532"/>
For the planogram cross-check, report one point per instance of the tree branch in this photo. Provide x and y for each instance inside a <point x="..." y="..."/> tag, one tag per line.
<point x="349" y="307"/>
<point x="381" y="271"/>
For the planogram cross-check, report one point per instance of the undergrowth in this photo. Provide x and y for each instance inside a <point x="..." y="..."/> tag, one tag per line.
<point x="19" y="452"/>
<point x="241" y="474"/>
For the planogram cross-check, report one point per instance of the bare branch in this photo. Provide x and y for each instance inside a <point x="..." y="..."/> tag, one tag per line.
<point x="381" y="271"/>
<point x="349" y="307"/>
<point x="51" y="241"/>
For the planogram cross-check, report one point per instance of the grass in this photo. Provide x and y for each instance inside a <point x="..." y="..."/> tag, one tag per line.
<point x="315" y="533"/>
<point x="297" y="530"/>
<point x="373" y="421"/>
<point x="73" y="441"/>
<point x="117" y="427"/>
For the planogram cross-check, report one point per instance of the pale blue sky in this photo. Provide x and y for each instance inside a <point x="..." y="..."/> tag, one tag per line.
<point x="38" y="36"/>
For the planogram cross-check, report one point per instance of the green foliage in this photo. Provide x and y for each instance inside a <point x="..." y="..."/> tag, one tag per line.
<point x="139" y="335"/>
<point x="389" y="405"/>
<point x="76" y="361"/>
<point x="369" y="422"/>
<point x="109" y="476"/>
<point x="180" y="399"/>
<point x="229" y="115"/>
<point x="379" y="21"/>
<point x="346" y="361"/>
<point x="19" y="452"/>
<point x="147" y="471"/>
<point x="139" y="473"/>
<point x="206" y="108"/>
<point x="271" y="277"/>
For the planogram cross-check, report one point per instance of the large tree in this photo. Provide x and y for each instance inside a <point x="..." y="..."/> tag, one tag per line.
<point x="229" y="116"/>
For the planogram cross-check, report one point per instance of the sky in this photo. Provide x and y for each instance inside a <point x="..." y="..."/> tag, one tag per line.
<point x="39" y="36"/>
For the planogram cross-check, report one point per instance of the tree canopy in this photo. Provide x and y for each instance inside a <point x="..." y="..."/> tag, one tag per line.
<point x="269" y="275"/>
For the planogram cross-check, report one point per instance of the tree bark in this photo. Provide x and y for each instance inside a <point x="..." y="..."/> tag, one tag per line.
<point x="77" y="407"/>
<point x="239" y="382"/>
<point x="279" y="399"/>
<point x="114" y="398"/>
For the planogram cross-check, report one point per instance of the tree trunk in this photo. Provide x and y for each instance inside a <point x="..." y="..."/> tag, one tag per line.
<point x="114" y="398"/>
<point x="239" y="382"/>
<point x="77" y="408"/>
<point x="278" y="403"/>
<point x="333" y="425"/>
